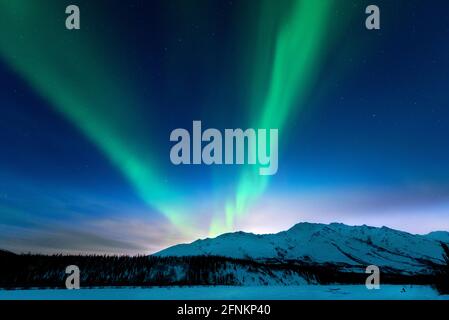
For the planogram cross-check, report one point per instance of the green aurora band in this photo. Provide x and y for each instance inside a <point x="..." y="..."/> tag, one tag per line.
<point x="297" y="45"/>
<point x="55" y="62"/>
<point x="290" y="39"/>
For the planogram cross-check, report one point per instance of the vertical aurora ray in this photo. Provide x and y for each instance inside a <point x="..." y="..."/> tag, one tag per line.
<point x="74" y="73"/>
<point x="296" y="55"/>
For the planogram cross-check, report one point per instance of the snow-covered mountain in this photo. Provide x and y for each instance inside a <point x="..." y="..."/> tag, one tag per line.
<point x="439" y="236"/>
<point x="352" y="247"/>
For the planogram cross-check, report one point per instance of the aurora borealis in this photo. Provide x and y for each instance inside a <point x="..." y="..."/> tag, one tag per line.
<point x="296" y="48"/>
<point x="87" y="114"/>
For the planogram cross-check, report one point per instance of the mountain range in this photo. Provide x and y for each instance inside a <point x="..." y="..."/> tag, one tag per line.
<point x="307" y="253"/>
<point x="351" y="248"/>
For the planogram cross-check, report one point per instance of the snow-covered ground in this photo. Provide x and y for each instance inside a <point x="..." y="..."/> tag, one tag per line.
<point x="305" y="292"/>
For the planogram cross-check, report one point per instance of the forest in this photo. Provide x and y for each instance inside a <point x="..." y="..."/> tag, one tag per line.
<point x="48" y="271"/>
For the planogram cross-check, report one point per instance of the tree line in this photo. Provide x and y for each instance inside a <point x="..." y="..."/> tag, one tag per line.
<point x="48" y="271"/>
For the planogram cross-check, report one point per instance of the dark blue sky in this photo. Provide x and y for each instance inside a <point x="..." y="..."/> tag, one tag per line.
<point x="368" y="144"/>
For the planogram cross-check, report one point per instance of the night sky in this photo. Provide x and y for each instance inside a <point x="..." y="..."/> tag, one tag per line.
<point x="86" y="116"/>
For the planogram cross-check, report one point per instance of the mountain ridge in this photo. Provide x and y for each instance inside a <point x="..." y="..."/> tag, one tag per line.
<point x="350" y="246"/>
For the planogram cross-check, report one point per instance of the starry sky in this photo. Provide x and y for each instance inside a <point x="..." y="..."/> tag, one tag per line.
<point x="86" y="116"/>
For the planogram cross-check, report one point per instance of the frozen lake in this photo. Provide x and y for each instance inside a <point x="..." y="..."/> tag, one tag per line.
<point x="306" y="292"/>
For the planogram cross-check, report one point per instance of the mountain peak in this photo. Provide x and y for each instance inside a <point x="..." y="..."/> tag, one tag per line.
<point x="439" y="235"/>
<point x="306" y="225"/>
